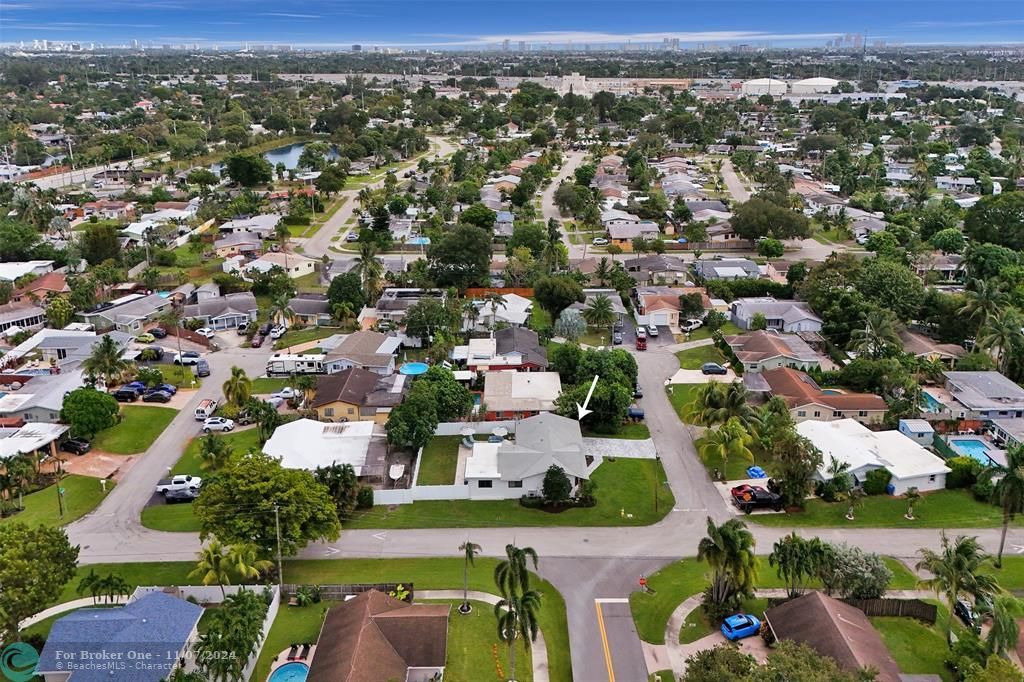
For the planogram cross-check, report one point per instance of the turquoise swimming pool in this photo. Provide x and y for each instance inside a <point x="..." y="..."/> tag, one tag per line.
<point x="930" y="403"/>
<point x="974" y="448"/>
<point x="290" y="672"/>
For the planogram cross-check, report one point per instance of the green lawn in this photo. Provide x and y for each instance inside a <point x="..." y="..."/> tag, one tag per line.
<point x="625" y="497"/>
<point x="138" y="428"/>
<point x="831" y="236"/>
<point x="265" y="385"/>
<point x="293" y="625"/>
<point x="180" y="376"/>
<point x="681" y="395"/>
<point x="296" y="337"/>
<point x="310" y="282"/>
<point x="662" y="676"/>
<point x="81" y="495"/>
<point x="439" y="460"/>
<point x="697" y="625"/>
<point x="179" y="517"/>
<point x="630" y="431"/>
<point x="677" y="581"/>
<point x="471" y="641"/>
<point x="596" y="337"/>
<point x="917" y="647"/>
<point x="539" y="318"/>
<point x="727" y="329"/>
<point x="695" y="357"/>
<point x="940" y="509"/>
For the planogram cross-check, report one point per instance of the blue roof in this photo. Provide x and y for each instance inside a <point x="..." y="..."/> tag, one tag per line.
<point x="504" y="216"/>
<point x="134" y="639"/>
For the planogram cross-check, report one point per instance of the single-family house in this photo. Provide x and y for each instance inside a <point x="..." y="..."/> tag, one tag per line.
<point x="786" y="316"/>
<point x="16" y="269"/>
<point x="310" y="310"/>
<point x="292" y="264"/>
<point x="850" y="442"/>
<point x="309" y="444"/>
<point x="128" y="313"/>
<point x="19" y="317"/>
<point x="234" y="243"/>
<point x="109" y="209"/>
<point x="1007" y="433"/>
<point x="658" y="269"/>
<point x="590" y="295"/>
<point x="623" y="234"/>
<point x="727" y="269"/>
<point x="367" y="350"/>
<point x="834" y="629"/>
<point x="262" y="225"/>
<point x="38" y="439"/>
<point x="923" y="347"/>
<point x="516" y="395"/>
<point x="506" y="183"/>
<point x="514" y="310"/>
<point x="395" y="301"/>
<point x="956" y="184"/>
<point x="224" y="312"/>
<point x="761" y="350"/>
<point x="482" y="355"/>
<point x="939" y="267"/>
<point x="659" y="306"/>
<point x="503" y="224"/>
<point x="156" y="630"/>
<point x="358" y="394"/>
<point x="41" y="287"/>
<point x="807" y="401"/>
<point x="516" y="468"/>
<point x="40" y="398"/>
<point x="983" y="395"/>
<point x="374" y="637"/>
<point x="522" y="342"/>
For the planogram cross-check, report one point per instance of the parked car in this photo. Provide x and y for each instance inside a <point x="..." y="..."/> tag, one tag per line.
<point x="352" y="236"/>
<point x="218" y="424"/>
<point x="636" y="414"/>
<point x="257" y="340"/>
<point x="599" y="241"/>
<point x="264" y="329"/>
<point x="617" y="338"/>
<point x="619" y="324"/>
<point x="242" y="329"/>
<point x="157" y="397"/>
<point x="274" y="401"/>
<point x="125" y="395"/>
<point x="652" y="330"/>
<point x="641" y="343"/>
<point x="181" y="496"/>
<point x="137" y="386"/>
<point x="179" y="482"/>
<point x="145" y="338"/>
<point x="740" y="625"/>
<point x="691" y="325"/>
<point x="747" y="498"/>
<point x="188" y="357"/>
<point x="862" y="239"/>
<point x="166" y="387"/>
<point x="202" y="368"/>
<point x="278" y="331"/>
<point x="207" y="332"/>
<point x="158" y="332"/>
<point x="286" y="393"/>
<point x="75" y="446"/>
<point x="965" y="612"/>
<point x="641" y="333"/>
<point x="638" y="392"/>
<point x="713" y="368"/>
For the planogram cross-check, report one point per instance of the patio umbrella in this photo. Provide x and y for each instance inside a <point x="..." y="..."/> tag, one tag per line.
<point x="467" y="432"/>
<point x="500" y="431"/>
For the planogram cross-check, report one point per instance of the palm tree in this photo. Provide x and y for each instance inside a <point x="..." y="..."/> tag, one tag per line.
<point x="470" y="312"/>
<point x="794" y="559"/>
<point x="517" y="617"/>
<point x="243" y="559"/>
<point x="603" y="271"/>
<point x="599" y="312"/>
<point x="731" y="439"/>
<point x="214" y="452"/>
<point x="854" y="500"/>
<point x="1002" y="335"/>
<point x="1004" y="633"/>
<point x="511" y="575"/>
<point x="469" y="550"/>
<point x="281" y="310"/>
<point x="106" y="360"/>
<point x="213" y="567"/>
<point x="912" y="496"/>
<point x="238" y="387"/>
<point x="370" y="269"/>
<point x="343" y="312"/>
<point x="958" y="568"/>
<point x="1008" y="490"/>
<point x="171" y="320"/>
<point x="729" y="551"/>
<point x="304" y="383"/>
<point x="985" y="300"/>
<point x="880" y="331"/>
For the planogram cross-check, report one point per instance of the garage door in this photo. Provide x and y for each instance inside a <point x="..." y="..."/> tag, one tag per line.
<point x="658" y="319"/>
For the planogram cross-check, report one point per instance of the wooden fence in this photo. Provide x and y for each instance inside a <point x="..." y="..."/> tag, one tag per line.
<point x="339" y="592"/>
<point x="480" y="292"/>
<point x="905" y="608"/>
<point x="734" y="245"/>
<point x="187" y="334"/>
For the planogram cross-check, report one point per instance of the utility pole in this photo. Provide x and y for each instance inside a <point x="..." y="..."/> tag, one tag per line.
<point x="280" y="569"/>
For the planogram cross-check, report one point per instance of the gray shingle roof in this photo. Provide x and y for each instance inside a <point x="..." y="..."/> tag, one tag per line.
<point x="541" y="441"/>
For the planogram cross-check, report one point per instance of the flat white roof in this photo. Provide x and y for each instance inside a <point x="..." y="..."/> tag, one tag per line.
<point x="308" y="444"/>
<point x="483" y="463"/>
<point x="850" y="441"/>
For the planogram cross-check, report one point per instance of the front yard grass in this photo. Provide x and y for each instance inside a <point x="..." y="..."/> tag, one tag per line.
<point x="439" y="461"/>
<point x="267" y="385"/>
<point x="940" y="509"/>
<point x="138" y="428"/>
<point x="727" y="329"/>
<point x="681" y="395"/>
<point x="180" y="376"/>
<point x="918" y="648"/>
<point x="695" y="357"/>
<point x="471" y="641"/>
<point x="300" y="336"/>
<point x="630" y="431"/>
<point x="625" y="497"/>
<point x="697" y="625"/>
<point x="82" y="494"/>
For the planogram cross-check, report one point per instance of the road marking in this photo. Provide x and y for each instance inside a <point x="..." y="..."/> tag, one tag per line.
<point x="331" y="551"/>
<point x="612" y="600"/>
<point x="1018" y="549"/>
<point x="604" y="642"/>
<point x="383" y="535"/>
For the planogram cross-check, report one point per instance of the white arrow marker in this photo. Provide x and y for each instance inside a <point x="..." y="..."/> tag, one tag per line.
<point x="381" y="535"/>
<point x="1018" y="549"/>
<point x="332" y="551"/>
<point x="583" y="411"/>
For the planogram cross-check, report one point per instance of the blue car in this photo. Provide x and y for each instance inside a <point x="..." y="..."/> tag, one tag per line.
<point x="166" y="388"/>
<point x="136" y="386"/>
<point x="739" y="626"/>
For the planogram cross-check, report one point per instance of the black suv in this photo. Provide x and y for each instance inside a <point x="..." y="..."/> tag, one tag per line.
<point x="750" y="497"/>
<point x="125" y="395"/>
<point x="75" y="446"/>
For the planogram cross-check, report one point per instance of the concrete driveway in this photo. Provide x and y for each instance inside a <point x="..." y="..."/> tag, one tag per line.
<point x="695" y="376"/>
<point x="725" y="488"/>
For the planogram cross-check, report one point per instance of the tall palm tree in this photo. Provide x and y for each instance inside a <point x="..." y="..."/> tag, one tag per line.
<point x="603" y="271"/>
<point x="214" y="452"/>
<point x="470" y="312"/>
<point x="238" y="387"/>
<point x="171" y="320"/>
<point x="731" y="439"/>
<point x="511" y="575"/>
<point x="243" y="559"/>
<point x="599" y="312"/>
<point x="370" y="270"/>
<point x="1002" y="336"/>
<point x="794" y="559"/>
<point x="985" y="299"/>
<point x="729" y="551"/>
<point x="469" y="551"/>
<point x="213" y="567"/>
<point x="106" y="360"/>
<point x="1008" y="490"/>
<point x="281" y="310"/>
<point x="880" y="331"/>
<point x="957" y="569"/>
<point x="1004" y="633"/>
<point x="517" y="618"/>
<point x="304" y="383"/>
<point x="912" y="496"/>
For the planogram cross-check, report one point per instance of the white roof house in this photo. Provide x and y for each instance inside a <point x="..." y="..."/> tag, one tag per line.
<point x="516" y="393"/>
<point x="308" y="444"/>
<point x="12" y="271"/>
<point x="29" y="438"/>
<point x="847" y="440"/>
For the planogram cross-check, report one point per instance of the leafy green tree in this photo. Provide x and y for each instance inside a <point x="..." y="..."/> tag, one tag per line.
<point x="413" y="422"/>
<point x="59" y="312"/>
<point x="347" y="288"/>
<point x="452" y="399"/>
<point x="461" y="258"/>
<point x="343" y="485"/>
<point x="891" y="286"/>
<point x="203" y="177"/>
<point x="609" y="404"/>
<point x="557" y="293"/>
<point x="88" y="411"/>
<point x="770" y="248"/>
<point x="791" y="660"/>
<point x="17" y="239"/>
<point x="99" y="243"/>
<point x="723" y="662"/>
<point x="949" y="240"/>
<point x="35" y="564"/>
<point x="957" y="569"/>
<point x="762" y="218"/>
<point x="570" y="325"/>
<point x="249" y="170"/>
<point x="331" y="181"/>
<point x="796" y="460"/>
<point x="258" y="483"/>
<point x="793" y="558"/>
<point x="557" y="488"/>
<point x="1007" y="491"/>
<point x="479" y="216"/>
<point x="232" y="636"/>
<point x="998" y="220"/>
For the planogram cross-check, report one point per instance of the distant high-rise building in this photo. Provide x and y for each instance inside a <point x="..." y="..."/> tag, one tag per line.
<point x="522" y="46"/>
<point x="504" y="45"/>
<point x="135" y="44"/>
<point x="357" y="48"/>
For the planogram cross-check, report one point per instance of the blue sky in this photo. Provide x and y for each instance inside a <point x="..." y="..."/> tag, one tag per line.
<point x="460" y="24"/>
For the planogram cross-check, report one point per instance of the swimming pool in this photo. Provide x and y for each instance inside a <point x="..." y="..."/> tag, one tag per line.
<point x="930" y="403"/>
<point x="831" y="391"/>
<point x="413" y="368"/>
<point x="973" y="448"/>
<point x="290" y="672"/>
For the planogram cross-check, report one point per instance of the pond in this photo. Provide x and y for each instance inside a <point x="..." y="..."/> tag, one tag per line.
<point x="288" y="155"/>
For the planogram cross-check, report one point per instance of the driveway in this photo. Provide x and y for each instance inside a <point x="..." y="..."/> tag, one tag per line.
<point x="725" y="488"/>
<point x="695" y="376"/>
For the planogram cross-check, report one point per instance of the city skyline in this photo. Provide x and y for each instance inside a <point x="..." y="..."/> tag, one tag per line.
<point x="455" y="24"/>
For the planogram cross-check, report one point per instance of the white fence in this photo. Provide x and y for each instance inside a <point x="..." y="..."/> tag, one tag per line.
<point x="183" y="239"/>
<point x="455" y="428"/>
<point x="421" y="493"/>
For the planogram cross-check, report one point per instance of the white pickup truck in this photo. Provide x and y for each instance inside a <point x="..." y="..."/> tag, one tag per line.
<point x="179" y="482"/>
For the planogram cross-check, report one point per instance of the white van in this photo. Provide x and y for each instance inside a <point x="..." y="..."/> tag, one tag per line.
<point x="205" y="409"/>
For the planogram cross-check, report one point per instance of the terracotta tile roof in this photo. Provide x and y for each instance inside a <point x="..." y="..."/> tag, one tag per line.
<point x="375" y="638"/>
<point x="763" y="345"/>
<point x="797" y="389"/>
<point x="51" y="281"/>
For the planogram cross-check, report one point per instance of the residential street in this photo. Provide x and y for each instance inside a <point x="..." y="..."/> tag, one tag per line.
<point x="733" y="184"/>
<point x="570" y="162"/>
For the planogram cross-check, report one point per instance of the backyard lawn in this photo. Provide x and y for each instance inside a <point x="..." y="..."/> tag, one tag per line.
<point x="681" y="395"/>
<point x="918" y="648"/>
<point x="539" y="318"/>
<point x="695" y="357"/>
<point x="676" y="582"/>
<point x="293" y="625"/>
<point x="81" y="495"/>
<point x="625" y="497"/>
<point x="138" y="428"/>
<point x="471" y="642"/>
<point x="299" y="336"/>
<point x="727" y="329"/>
<point x="940" y="509"/>
<point x="439" y="460"/>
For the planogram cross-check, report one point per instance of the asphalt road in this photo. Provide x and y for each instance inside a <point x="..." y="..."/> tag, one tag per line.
<point x="570" y="162"/>
<point x="732" y="182"/>
<point x="81" y="176"/>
